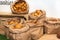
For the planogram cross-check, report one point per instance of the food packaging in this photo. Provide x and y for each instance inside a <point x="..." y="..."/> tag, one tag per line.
<point x="23" y="12"/>
<point x="36" y="30"/>
<point x="52" y="25"/>
<point x="41" y="15"/>
<point x="19" y="34"/>
<point x="7" y="24"/>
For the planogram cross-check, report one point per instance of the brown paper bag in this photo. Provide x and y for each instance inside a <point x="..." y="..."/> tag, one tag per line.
<point x="36" y="33"/>
<point x="52" y="25"/>
<point x="20" y="34"/>
<point x="42" y="15"/>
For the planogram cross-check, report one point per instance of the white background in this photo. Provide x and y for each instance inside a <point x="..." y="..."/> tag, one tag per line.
<point x="52" y="7"/>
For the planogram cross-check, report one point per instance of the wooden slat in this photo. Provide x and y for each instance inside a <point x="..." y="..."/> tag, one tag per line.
<point x="10" y="14"/>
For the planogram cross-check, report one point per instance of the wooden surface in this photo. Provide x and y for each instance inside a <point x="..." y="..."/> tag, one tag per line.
<point x="11" y="14"/>
<point x="49" y="37"/>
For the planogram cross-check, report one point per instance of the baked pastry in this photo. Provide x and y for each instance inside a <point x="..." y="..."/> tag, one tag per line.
<point x="17" y="26"/>
<point x="36" y="14"/>
<point x="19" y="7"/>
<point x="13" y="21"/>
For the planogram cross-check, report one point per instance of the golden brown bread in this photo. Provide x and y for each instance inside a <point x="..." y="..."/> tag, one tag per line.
<point x="20" y="6"/>
<point x="37" y="13"/>
<point x="17" y="26"/>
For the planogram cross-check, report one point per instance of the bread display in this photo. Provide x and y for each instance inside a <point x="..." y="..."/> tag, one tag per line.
<point x="20" y="31"/>
<point x="13" y="21"/>
<point x="37" y="14"/>
<point x="17" y="26"/>
<point x="19" y="7"/>
<point x="33" y="27"/>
